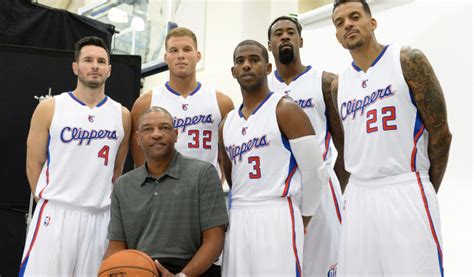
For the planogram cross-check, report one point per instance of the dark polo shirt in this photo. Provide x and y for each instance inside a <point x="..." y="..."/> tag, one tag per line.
<point x="164" y="216"/>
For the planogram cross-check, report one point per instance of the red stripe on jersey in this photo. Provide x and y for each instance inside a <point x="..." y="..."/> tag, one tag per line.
<point x="288" y="181"/>
<point x="413" y="152"/>
<point x="35" y="234"/>
<point x="427" y="209"/>
<point x="336" y="204"/>
<point x="295" y="250"/>
<point x="326" y="145"/>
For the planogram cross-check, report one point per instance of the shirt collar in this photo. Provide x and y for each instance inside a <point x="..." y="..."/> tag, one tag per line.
<point x="173" y="171"/>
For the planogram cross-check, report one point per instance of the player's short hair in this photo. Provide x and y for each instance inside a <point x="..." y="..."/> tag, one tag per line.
<point x="181" y="32"/>
<point x="284" y="17"/>
<point x="364" y="3"/>
<point x="256" y="43"/>
<point x="92" y="40"/>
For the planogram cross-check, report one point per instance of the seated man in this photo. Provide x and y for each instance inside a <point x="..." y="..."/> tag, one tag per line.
<point x="171" y="208"/>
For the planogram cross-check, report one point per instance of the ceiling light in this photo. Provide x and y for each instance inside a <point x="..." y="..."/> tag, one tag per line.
<point x="117" y="15"/>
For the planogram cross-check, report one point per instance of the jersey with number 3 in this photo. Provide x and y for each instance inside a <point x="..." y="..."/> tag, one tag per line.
<point x="263" y="166"/>
<point x="83" y="144"/>
<point x="384" y="134"/>
<point x="197" y="119"/>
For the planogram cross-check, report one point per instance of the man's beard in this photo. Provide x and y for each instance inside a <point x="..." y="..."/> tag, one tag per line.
<point x="91" y="84"/>
<point x="286" y="56"/>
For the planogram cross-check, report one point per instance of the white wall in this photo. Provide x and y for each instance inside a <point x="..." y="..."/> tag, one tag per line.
<point x="443" y="31"/>
<point x="228" y="22"/>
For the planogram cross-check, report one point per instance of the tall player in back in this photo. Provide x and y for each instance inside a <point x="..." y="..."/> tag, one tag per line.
<point x="310" y="87"/>
<point x="396" y="149"/>
<point x="76" y="147"/>
<point x="197" y="109"/>
<point x="271" y="156"/>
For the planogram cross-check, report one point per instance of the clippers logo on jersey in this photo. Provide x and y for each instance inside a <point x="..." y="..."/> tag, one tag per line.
<point x="183" y="123"/>
<point x="69" y="134"/>
<point x="352" y="106"/>
<point x="235" y="151"/>
<point x="305" y="103"/>
<point x="184" y="107"/>
<point x="364" y="83"/>
<point x="244" y="130"/>
<point x="46" y="221"/>
<point x="287" y="91"/>
<point x="91" y="118"/>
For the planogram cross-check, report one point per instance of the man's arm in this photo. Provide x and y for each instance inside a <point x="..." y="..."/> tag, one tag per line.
<point x="116" y="232"/>
<point x="208" y="252"/>
<point x="225" y="106"/>
<point x="37" y="141"/>
<point x="123" y="149"/>
<point x="329" y="88"/>
<point x="225" y="161"/>
<point x="296" y="127"/>
<point x="141" y="104"/>
<point x="114" y="246"/>
<point x="429" y="100"/>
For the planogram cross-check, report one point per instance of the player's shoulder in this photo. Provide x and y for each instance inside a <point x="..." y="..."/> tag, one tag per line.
<point x="46" y="108"/>
<point x="409" y="54"/>
<point x="142" y="103"/>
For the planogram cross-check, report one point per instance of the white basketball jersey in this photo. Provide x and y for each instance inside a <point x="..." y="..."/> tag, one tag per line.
<point x="263" y="166"/>
<point x="306" y="90"/>
<point x="197" y="119"/>
<point x="383" y="132"/>
<point x="83" y="144"/>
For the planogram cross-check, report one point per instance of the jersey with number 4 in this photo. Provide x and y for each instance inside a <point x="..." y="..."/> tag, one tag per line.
<point x="83" y="144"/>
<point x="196" y="117"/>
<point x="263" y="166"/>
<point x="384" y="134"/>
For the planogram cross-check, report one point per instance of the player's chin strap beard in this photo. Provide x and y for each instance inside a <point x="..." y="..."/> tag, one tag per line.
<point x="286" y="57"/>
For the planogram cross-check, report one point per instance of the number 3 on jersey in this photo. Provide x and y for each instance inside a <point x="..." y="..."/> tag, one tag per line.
<point x="256" y="173"/>
<point x="104" y="153"/>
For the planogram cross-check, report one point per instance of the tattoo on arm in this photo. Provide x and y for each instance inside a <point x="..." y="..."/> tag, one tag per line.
<point x="329" y="87"/>
<point x="431" y="105"/>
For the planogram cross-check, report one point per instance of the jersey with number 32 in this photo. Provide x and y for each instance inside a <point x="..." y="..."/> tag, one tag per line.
<point x="83" y="144"/>
<point x="384" y="134"/>
<point x="196" y="117"/>
<point x="263" y="166"/>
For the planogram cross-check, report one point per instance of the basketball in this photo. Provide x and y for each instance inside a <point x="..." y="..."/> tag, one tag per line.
<point x="128" y="263"/>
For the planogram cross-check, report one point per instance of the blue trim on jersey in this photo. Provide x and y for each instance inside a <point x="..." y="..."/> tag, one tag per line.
<point x="418" y="125"/>
<point x="440" y="262"/>
<point x="277" y="75"/>
<point x="170" y="89"/>
<point x="374" y="62"/>
<point x="326" y="149"/>
<point x="48" y="155"/>
<point x="23" y="267"/>
<point x="77" y="100"/>
<point x="292" y="165"/>
<point x="229" y="199"/>
<point x="102" y="102"/>
<point x="257" y="108"/>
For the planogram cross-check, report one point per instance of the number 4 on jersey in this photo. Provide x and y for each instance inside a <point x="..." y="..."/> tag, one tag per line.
<point x="104" y="153"/>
